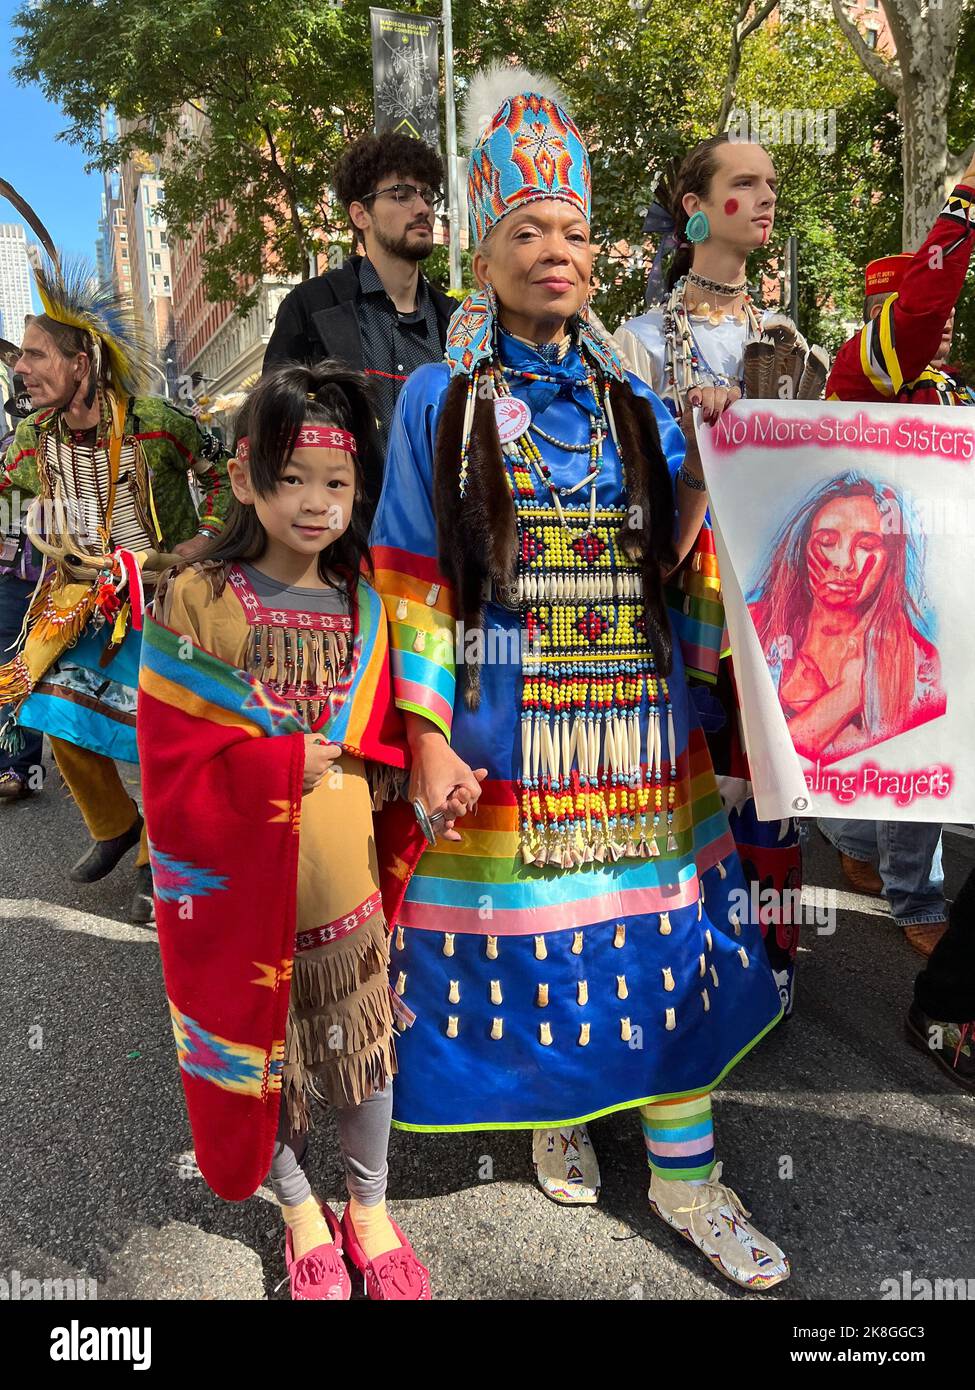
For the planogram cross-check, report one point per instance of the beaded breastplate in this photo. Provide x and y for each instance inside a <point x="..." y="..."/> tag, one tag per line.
<point x="594" y="783"/>
<point x="300" y="656"/>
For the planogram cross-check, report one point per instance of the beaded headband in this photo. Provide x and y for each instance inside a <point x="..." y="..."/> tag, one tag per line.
<point x="310" y="437"/>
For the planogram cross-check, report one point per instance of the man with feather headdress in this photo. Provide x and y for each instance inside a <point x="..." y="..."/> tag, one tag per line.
<point x="110" y="468"/>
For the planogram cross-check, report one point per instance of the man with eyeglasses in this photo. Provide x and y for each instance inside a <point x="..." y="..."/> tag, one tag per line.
<point x="377" y="312"/>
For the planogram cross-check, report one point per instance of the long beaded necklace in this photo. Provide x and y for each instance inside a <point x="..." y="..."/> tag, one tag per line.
<point x="559" y="444"/>
<point x="525" y="448"/>
<point x="593" y="781"/>
<point x="105" y="506"/>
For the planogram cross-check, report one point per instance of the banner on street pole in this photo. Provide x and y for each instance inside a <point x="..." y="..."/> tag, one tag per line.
<point x="406" y="74"/>
<point x="844" y="539"/>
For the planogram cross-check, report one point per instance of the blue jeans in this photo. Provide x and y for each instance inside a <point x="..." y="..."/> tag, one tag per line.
<point x="910" y="862"/>
<point x="14" y="596"/>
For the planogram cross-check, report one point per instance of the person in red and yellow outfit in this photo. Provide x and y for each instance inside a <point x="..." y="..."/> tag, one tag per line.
<point x="900" y="352"/>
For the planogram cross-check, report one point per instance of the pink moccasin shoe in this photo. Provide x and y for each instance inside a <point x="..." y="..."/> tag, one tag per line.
<point x="321" y="1273"/>
<point x="396" y="1276"/>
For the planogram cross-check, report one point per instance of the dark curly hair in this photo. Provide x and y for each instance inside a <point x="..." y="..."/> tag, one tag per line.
<point x="373" y="158"/>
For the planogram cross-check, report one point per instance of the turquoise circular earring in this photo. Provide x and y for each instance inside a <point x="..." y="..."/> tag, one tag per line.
<point x="698" y="227"/>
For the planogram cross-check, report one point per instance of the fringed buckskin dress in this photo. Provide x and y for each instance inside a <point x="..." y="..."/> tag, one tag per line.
<point x="297" y="642"/>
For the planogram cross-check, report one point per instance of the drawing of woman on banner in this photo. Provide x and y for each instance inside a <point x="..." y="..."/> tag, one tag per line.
<point x="844" y="620"/>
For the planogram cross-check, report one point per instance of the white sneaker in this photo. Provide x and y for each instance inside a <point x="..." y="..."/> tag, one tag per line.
<point x="566" y="1165"/>
<point x="713" y="1218"/>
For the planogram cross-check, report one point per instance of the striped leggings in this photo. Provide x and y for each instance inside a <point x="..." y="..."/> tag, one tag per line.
<point x="679" y="1135"/>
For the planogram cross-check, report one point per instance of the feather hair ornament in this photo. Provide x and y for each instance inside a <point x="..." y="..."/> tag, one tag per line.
<point x="71" y="294"/>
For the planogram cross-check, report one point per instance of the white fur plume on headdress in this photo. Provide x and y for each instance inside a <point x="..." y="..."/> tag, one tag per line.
<point x="492" y="86"/>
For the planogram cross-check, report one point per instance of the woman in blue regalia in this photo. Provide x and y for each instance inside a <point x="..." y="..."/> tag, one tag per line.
<point x="578" y="940"/>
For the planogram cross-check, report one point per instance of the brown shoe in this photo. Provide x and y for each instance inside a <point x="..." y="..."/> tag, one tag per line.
<point x="13" y="786"/>
<point x="924" y="936"/>
<point x="861" y="875"/>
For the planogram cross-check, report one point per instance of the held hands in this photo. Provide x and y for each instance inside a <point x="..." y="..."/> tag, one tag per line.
<point x="320" y="757"/>
<point x="442" y="780"/>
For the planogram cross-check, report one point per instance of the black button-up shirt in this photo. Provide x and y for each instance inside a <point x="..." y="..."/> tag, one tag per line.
<point x="394" y="344"/>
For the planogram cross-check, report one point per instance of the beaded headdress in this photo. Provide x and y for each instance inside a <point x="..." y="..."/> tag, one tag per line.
<point x="524" y="146"/>
<point x="72" y="294"/>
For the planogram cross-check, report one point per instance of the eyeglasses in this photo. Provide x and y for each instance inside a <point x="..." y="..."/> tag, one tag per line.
<point x="406" y="194"/>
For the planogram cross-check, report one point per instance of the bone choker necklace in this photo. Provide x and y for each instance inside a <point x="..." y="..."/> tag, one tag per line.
<point x="715" y="286"/>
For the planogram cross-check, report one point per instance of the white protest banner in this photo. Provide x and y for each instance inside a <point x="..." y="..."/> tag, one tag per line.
<point x="846" y="539"/>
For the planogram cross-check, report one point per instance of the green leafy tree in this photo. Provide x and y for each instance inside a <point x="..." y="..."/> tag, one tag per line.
<point x="922" y="80"/>
<point x="839" y="171"/>
<point x="645" y="79"/>
<point x="648" y="80"/>
<point x="281" y="83"/>
<point x="284" y="86"/>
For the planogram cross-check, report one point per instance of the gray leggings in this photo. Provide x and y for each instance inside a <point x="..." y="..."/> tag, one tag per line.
<point x="363" y="1139"/>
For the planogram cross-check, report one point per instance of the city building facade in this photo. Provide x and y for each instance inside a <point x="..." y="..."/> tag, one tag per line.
<point x="148" y="245"/>
<point x="218" y="353"/>
<point x="15" y="279"/>
<point x="114" y="267"/>
<point x="869" y="17"/>
<point x="215" y="353"/>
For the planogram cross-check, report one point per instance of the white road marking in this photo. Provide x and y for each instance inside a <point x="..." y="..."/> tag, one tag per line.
<point x="70" y="919"/>
<point x="813" y="896"/>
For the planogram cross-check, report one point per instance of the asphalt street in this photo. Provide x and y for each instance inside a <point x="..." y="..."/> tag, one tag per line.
<point x="849" y="1147"/>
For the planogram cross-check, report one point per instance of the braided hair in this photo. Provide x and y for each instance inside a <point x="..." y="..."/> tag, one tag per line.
<point x="696" y="171"/>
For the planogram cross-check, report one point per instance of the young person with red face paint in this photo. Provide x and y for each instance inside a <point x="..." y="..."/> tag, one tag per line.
<point x="689" y="347"/>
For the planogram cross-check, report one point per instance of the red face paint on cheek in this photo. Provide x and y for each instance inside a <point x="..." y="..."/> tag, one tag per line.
<point x="731" y="207"/>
